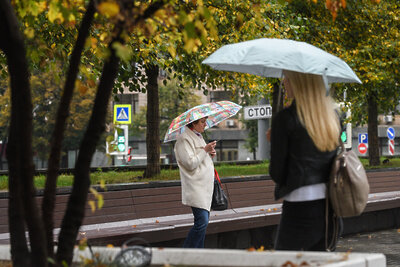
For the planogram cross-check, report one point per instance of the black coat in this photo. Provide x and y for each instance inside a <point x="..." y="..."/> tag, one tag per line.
<point x="295" y="160"/>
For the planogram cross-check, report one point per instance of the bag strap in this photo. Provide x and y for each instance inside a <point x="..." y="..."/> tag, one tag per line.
<point x="216" y="176"/>
<point x="335" y="231"/>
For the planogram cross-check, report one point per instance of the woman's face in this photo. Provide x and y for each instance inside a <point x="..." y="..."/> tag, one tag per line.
<point x="200" y="125"/>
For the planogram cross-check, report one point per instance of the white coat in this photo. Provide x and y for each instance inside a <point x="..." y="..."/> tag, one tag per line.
<point x="196" y="169"/>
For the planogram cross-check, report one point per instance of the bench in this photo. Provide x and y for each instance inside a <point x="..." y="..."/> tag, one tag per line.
<point x="153" y="211"/>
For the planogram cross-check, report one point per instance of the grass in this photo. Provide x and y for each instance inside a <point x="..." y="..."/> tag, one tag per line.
<point x="224" y="170"/>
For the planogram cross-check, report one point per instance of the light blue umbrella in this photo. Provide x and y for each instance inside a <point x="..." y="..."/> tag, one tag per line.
<point x="268" y="57"/>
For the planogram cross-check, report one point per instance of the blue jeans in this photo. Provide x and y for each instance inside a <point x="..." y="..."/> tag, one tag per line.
<point x="196" y="236"/>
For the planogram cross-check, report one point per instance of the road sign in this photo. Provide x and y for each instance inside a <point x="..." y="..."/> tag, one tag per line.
<point x="390" y="133"/>
<point x="362" y="148"/>
<point x="118" y="143"/>
<point x="122" y="114"/>
<point x="257" y="112"/>
<point x="391" y="147"/>
<point x="363" y="138"/>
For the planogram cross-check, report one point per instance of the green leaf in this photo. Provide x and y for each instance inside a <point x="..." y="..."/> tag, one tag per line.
<point x="122" y="51"/>
<point x="190" y="30"/>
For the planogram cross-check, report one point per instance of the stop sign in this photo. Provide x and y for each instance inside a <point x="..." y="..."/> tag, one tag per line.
<point x="362" y="148"/>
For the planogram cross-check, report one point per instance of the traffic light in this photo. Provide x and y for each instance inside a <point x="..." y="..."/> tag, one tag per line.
<point x="118" y="143"/>
<point x="121" y="140"/>
<point x="343" y="136"/>
<point x="346" y="134"/>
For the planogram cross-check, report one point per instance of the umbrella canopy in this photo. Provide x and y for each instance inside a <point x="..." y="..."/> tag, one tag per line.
<point x="268" y="57"/>
<point x="215" y="113"/>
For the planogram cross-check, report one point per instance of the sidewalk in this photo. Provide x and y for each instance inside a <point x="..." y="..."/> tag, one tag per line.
<point x="386" y="242"/>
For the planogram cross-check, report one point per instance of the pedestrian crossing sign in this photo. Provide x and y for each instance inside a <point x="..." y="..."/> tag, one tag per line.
<point x="122" y="114"/>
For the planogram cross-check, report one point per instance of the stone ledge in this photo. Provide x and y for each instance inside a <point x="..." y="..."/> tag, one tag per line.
<point x="232" y="258"/>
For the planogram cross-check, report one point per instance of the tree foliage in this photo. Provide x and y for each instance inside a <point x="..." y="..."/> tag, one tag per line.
<point x="364" y="35"/>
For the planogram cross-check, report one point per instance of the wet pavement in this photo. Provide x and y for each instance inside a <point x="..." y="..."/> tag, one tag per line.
<point x="386" y="242"/>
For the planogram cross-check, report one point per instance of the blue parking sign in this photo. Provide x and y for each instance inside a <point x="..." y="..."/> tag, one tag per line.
<point x="363" y="138"/>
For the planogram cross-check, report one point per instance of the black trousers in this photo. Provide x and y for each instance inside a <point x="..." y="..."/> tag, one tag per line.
<point x="302" y="226"/>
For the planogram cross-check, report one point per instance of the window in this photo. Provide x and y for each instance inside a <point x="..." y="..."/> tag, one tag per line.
<point x="227" y="150"/>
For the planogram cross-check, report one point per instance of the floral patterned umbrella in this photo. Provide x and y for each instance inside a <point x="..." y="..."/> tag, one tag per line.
<point x="215" y="111"/>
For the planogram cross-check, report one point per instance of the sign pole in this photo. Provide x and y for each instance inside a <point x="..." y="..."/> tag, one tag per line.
<point x="263" y="144"/>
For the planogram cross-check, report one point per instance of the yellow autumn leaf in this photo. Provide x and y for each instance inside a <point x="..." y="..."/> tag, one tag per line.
<point x="92" y="205"/>
<point x="189" y="45"/>
<point x="102" y="182"/>
<point x="160" y="14"/>
<point x="42" y="6"/>
<point x="93" y="42"/>
<point x="172" y="51"/>
<point x="100" y="201"/>
<point x="110" y="9"/>
<point x="54" y="12"/>
<point x="72" y="18"/>
<point x="93" y="191"/>
<point x="29" y="33"/>
<point x="103" y="36"/>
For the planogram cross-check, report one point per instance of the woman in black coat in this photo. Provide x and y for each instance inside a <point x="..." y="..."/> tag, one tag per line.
<point x="304" y="138"/>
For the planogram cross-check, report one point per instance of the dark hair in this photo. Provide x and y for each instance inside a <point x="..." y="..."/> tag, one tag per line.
<point x="191" y="125"/>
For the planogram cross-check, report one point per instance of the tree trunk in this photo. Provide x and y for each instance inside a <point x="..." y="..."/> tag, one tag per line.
<point x="59" y="128"/>
<point x="373" y="139"/>
<point x="77" y="202"/>
<point x="19" y="154"/>
<point x="153" y="123"/>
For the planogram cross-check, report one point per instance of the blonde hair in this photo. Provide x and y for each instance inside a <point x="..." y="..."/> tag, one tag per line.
<point x="315" y="109"/>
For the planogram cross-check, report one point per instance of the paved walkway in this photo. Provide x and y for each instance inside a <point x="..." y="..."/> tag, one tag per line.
<point x="386" y="242"/>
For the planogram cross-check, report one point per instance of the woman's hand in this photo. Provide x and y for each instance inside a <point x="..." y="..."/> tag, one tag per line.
<point x="210" y="147"/>
<point x="213" y="153"/>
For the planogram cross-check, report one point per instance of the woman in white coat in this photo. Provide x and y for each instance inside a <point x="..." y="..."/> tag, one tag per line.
<point x="194" y="158"/>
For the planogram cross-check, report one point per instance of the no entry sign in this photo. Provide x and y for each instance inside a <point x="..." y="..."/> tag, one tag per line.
<point x="362" y="148"/>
